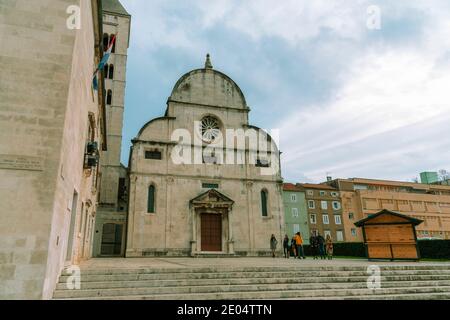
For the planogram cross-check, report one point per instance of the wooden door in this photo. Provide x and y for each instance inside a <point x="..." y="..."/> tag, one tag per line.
<point x="211" y="232"/>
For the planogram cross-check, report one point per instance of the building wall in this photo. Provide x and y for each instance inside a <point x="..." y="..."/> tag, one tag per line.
<point x="295" y="223"/>
<point x="44" y="105"/>
<point x="333" y="226"/>
<point x="112" y="207"/>
<point x="430" y="203"/>
<point x="171" y="227"/>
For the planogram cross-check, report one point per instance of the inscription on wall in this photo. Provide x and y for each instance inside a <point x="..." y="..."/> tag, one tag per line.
<point x="14" y="162"/>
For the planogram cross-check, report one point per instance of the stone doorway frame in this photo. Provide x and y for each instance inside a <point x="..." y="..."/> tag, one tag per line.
<point x="212" y="202"/>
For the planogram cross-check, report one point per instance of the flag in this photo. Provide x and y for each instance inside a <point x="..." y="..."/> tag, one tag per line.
<point x="102" y="63"/>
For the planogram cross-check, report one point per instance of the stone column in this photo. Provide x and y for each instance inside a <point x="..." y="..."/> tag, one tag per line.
<point x="194" y="232"/>
<point x="230" y="232"/>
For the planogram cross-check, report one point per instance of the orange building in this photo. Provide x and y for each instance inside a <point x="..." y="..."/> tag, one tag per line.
<point x="364" y="197"/>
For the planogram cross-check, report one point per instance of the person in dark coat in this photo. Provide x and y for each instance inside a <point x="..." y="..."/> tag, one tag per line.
<point x="286" y="247"/>
<point x="314" y="245"/>
<point x="321" y="244"/>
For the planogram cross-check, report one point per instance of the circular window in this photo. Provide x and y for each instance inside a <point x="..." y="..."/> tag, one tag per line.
<point x="210" y="129"/>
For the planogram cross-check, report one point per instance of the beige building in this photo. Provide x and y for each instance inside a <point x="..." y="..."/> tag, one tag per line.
<point x="324" y="208"/>
<point x="51" y="127"/>
<point x="362" y="197"/>
<point x="219" y="199"/>
<point x="111" y="215"/>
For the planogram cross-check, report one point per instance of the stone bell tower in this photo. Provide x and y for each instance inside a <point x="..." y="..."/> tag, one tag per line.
<point x="111" y="213"/>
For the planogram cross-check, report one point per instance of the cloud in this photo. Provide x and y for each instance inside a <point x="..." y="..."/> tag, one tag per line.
<point x="349" y="100"/>
<point x="390" y="101"/>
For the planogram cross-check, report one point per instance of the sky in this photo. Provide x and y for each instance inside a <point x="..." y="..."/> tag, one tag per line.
<point x="355" y="88"/>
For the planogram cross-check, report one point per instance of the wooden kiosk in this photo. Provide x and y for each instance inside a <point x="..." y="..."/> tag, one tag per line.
<point x="390" y="235"/>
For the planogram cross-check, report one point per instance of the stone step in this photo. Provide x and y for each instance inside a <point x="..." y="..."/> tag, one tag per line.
<point x="210" y="289"/>
<point x="87" y="277"/>
<point x="281" y="294"/>
<point x="403" y="296"/>
<point x="235" y="281"/>
<point x="87" y="270"/>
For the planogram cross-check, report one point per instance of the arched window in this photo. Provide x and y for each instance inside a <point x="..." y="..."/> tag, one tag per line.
<point x="111" y="72"/>
<point x="114" y="45"/>
<point x="105" y="41"/>
<point x="264" y="197"/>
<point x="151" y="199"/>
<point x="109" y="97"/>
<point x="105" y="71"/>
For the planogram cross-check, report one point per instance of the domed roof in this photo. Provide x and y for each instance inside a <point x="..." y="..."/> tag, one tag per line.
<point x="208" y="87"/>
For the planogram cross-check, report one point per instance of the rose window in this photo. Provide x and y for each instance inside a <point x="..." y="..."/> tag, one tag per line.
<point x="210" y="129"/>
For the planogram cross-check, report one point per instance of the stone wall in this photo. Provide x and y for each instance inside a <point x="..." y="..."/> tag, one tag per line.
<point x="45" y="99"/>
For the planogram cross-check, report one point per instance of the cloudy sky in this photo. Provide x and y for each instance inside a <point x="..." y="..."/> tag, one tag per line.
<point x="349" y="99"/>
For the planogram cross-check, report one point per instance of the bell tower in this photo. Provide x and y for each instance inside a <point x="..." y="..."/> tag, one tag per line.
<point x="112" y="208"/>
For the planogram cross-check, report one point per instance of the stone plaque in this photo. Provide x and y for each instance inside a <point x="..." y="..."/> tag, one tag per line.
<point x="13" y="162"/>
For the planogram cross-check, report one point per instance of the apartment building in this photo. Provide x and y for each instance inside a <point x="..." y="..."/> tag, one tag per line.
<point x="295" y="211"/>
<point x="363" y="197"/>
<point x="324" y="210"/>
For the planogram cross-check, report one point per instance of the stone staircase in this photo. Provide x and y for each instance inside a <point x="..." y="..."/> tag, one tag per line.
<point x="222" y="283"/>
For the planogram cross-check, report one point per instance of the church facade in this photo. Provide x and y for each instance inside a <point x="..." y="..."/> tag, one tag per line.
<point x="202" y="179"/>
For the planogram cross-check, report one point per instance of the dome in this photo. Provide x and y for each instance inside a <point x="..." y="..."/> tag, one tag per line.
<point x="208" y="87"/>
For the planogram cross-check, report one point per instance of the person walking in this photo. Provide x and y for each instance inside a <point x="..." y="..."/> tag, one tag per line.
<point x="299" y="246"/>
<point x="273" y="244"/>
<point x="329" y="247"/>
<point x="293" y="247"/>
<point x="321" y="243"/>
<point x="286" y="247"/>
<point x="314" y="245"/>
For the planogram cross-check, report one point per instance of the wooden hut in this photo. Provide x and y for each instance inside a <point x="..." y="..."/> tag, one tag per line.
<point x="390" y="235"/>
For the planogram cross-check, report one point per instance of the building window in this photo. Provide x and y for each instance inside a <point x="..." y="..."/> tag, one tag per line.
<point x="339" y="236"/>
<point x="210" y="129"/>
<point x="293" y="198"/>
<point x="207" y="185"/>
<point x="109" y="98"/>
<point x="351" y="215"/>
<point x="151" y="199"/>
<point x="105" y="71"/>
<point x="262" y="163"/>
<point x="312" y="218"/>
<point x="353" y="232"/>
<point x="153" y="154"/>
<point x="334" y="194"/>
<point x="323" y="193"/>
<point x="311" y="204"/>
<point x="295" y="212"/>
<point x="324" y="205"/>
<point x="122" y="192"/>
<point x="327" y="233"/>
<point x="111" y="72"/>
<point x="105" y="41"/>
<point x="325" y="219"/>
<point x="264" y="203"/>
<point x="310" y="192"/>
<point x="337" y="219"/>
<point x="296" y="228"/>
<point x="336" y="205"/>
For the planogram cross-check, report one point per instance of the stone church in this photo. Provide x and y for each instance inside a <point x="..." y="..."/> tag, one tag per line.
<point x="219" y="194"/>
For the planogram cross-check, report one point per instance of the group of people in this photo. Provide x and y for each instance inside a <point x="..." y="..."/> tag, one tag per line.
<point x="320" y="247"/>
